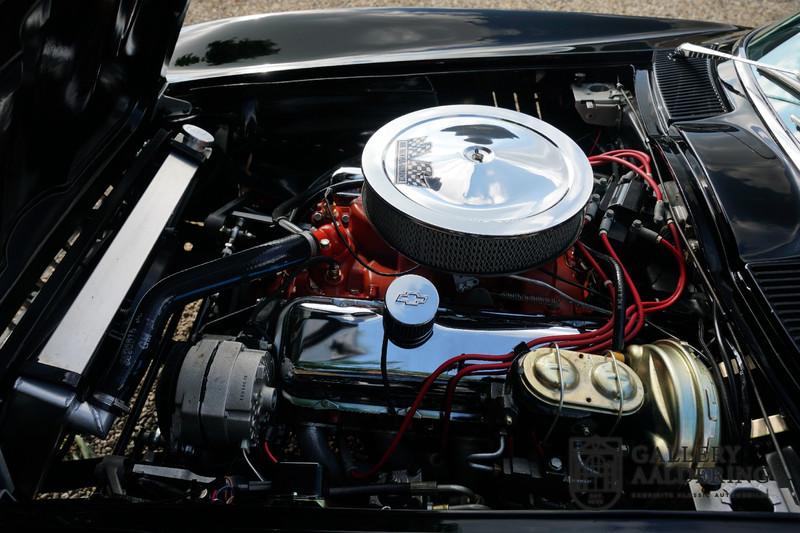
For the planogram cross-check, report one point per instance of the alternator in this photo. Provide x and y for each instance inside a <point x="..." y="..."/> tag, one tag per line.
<point x="222" y="395"/>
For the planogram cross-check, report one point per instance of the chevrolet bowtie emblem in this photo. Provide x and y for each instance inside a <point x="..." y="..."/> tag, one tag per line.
<point x="411" y="298"/>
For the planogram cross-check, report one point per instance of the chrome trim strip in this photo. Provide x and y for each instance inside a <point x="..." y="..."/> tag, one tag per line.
<point x="790" y="146"/>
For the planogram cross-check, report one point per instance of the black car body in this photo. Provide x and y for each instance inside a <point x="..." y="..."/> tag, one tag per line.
<point x="90" y="118"/>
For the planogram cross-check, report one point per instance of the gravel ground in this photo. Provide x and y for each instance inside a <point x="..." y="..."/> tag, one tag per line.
<point x="88" y="447"/>
<point x="743" y="12"/>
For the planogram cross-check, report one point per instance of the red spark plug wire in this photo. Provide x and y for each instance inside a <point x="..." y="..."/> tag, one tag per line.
<point x="598" y="339"/>
<point x="644" y="170"/>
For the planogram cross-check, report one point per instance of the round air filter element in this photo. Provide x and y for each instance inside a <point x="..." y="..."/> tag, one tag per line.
<point x="474" y="189"/>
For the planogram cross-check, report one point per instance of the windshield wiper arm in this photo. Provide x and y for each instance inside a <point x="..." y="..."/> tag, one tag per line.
<point x="694" y="50"/>
<point x="787" y="78"/>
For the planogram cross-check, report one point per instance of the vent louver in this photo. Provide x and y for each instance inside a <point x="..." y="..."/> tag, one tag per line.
<point x="687" y="87"/>
<point x="780" y="283"/>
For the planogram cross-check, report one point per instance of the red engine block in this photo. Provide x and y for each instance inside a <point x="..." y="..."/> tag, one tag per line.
<point x="348" y="278"/>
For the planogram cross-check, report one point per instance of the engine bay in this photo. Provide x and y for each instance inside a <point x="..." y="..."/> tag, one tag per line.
<point x="463" y="291"/>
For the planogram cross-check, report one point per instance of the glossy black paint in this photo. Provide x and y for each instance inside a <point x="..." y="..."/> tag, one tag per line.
<point x="743" y="194"/>
<point x="305" y="40"/>
<point x="76" y="88"/>
<point x="757" y="189"/>
<point x="81" y="515"/>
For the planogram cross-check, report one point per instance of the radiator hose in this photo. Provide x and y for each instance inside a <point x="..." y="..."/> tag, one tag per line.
<point x="141" y="339"/>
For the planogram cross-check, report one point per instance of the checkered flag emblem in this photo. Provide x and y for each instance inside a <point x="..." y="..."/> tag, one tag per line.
<point x="418" y="173"/>
<point x="417" y="147"/>
<point x="411" y="170"/>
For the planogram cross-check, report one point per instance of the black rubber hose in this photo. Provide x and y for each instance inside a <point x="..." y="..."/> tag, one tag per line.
<point x="618" y="337"/>
<point x="385" y="374"/>
<point x="346" y="457"/>
<point x="313" y="441"/>
<point x="284" y="209"/>
<point x="140" y="340"/>
<point x="147" y="383"/>
<point x="370" y="490"/>
<point x="297" y="202"/>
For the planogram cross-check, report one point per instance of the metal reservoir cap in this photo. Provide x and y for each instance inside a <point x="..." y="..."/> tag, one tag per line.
<point x="411" y="305"/>
<point x="475" y="189"/>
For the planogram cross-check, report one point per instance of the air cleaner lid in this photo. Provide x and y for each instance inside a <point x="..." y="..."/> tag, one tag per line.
<point x="478" y="170"/>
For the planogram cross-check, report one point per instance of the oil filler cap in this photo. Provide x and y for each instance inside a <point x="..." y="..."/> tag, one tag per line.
<point x="411" y="305"/>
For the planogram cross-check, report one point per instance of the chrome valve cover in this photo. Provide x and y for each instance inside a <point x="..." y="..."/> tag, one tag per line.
<point x="330" y="354"/>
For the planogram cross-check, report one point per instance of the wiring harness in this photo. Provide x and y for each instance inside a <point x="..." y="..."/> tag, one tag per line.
<point x="596" y="341"/>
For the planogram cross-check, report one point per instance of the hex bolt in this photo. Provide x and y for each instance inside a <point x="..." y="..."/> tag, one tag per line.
<point x="334" y="273"/>
<point x="317" y="217"/>
<point x="324" y="243"/>
<point x="345" y="220"/>
<point x="555" y="464"/>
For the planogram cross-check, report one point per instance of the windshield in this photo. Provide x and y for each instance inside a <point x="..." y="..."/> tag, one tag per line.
<point x="779" y="45"/>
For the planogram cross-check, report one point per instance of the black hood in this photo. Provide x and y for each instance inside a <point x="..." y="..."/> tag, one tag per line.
<point x="78" y="79"/>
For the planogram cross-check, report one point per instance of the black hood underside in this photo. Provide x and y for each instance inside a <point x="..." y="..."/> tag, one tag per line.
<point x="76" y="81"/>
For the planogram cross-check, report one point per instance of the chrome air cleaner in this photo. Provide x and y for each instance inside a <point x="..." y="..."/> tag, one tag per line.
<point x="475" y="189"/>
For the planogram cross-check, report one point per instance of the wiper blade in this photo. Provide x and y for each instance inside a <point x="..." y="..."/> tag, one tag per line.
<point x="788" y="83"/>
<point x="694" y="50"/>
